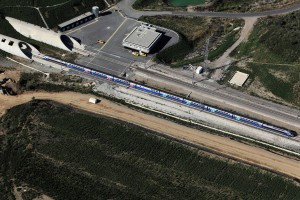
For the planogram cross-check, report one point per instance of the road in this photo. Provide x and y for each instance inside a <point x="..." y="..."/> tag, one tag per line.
<point x="211" y="92"/>
<point x="217" y="144"/>
<point x="126" y="7"/>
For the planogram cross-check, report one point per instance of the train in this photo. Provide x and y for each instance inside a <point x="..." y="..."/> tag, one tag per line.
<point x="178" y="99"/>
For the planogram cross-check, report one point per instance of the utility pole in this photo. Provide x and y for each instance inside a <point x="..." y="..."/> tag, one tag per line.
<point x="193" y="69"/>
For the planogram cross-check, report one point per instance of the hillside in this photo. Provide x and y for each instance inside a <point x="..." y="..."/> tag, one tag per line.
<point x="68" y="154"/>
<point x="272" y="58"/>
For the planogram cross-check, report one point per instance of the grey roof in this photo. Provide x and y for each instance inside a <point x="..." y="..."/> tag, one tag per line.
<point x="143" y="36"/>
<point x="80" y="17"/>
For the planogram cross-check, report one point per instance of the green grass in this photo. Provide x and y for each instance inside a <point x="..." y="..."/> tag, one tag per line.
<point x="186" y="2"/>
<point x="193" y="33"/>
<point x="223" y="6"/>
<point x="286" y="88"/>
<point x="275" y="40"/>
<point x="54" y="12"/>
<point x="227" y="42"/>
<point x="74" y="155"/>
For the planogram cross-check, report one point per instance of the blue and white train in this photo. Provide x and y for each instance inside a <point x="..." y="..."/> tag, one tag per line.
<point x="175" y="98"/>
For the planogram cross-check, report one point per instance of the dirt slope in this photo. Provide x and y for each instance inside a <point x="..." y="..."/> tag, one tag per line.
<point x="223" y="145"/>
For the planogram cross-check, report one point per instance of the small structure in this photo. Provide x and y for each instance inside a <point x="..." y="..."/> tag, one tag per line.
<point x="95" y="11"/>
<point x="142" y="38"/>
<point x="93" y="100"/>
<point x="72" y="23"/>
<point x="199" y="70"/>
<point x="239" y="78"/>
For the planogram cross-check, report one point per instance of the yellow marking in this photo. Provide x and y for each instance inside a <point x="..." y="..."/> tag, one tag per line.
<point x="113" y="34"/>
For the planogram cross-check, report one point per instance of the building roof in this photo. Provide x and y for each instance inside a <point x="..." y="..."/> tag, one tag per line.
<point x="239" y="78"/>
<point x="78" y="18"/>
<point x="142" y="36"/>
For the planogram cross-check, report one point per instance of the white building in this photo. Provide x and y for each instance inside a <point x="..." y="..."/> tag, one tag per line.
<point x="93" y="100"/>
<point x="239" y="78"/>
<point x="142" y="38"/>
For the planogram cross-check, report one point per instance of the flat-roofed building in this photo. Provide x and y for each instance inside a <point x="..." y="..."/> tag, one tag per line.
<point x="142" y="38"/>
<point x="239" y="78"/>
<point x="72" y="23"/>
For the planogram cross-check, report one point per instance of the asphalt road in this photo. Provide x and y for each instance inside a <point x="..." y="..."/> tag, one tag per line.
<point x="126" y="7"/>
<point x="227" y="97"/>
<point x="112" y="57"/>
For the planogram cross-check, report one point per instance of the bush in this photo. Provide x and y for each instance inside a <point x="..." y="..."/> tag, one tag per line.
<point x="176" y="52"/>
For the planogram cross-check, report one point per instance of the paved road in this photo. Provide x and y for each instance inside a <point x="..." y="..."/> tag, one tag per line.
<point x="229" y="97"/>
<point x="126" y="7"/>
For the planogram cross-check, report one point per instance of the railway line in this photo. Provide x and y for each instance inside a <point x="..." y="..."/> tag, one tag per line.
<point x="214" y="92"/>
<point x="184" y="101"/>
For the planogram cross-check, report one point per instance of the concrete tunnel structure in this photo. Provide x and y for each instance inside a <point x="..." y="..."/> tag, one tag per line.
<point x="17" y="47"/>
<point x="44" y="35"/>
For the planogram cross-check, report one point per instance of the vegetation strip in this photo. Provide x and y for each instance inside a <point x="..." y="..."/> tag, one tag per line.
<point x="76" y="155"/>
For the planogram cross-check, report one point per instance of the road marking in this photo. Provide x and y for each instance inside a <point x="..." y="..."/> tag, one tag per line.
<point x="113" y="34"/>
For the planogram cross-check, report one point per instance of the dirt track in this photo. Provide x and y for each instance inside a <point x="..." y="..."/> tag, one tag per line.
<point x="247" y="29"/>
<point x="223" y="145"/>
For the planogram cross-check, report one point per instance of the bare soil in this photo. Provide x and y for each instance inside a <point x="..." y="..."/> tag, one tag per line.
<point x="13" y="74"/>
<point x="248" y="27"/>
<point x="249" y="154"/>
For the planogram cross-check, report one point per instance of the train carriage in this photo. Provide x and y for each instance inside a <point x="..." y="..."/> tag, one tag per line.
<point x="175" y="98"/>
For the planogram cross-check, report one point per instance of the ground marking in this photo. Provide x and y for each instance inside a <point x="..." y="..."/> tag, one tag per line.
<point x="113" y="33"/>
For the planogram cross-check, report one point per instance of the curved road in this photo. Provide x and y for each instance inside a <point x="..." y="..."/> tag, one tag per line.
<point x="126" y="7"/>
<point x="258" y="107"/>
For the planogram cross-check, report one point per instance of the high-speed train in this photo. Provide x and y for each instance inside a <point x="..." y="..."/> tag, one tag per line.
<point x="175" y="98"/>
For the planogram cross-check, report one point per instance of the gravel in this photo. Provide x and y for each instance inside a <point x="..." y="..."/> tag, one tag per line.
<point x="148" y="101"/>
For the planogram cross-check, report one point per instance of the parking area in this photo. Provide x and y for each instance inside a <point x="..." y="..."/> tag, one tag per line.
<point x="111" y="57"/>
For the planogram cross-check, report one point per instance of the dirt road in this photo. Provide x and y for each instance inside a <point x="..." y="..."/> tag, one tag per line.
<point x="225" y="58"/>
<point x="223" y="145"/>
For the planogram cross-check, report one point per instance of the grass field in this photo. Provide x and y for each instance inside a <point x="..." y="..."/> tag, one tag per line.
<point x="274" y="40"/>
<point x="67" y="154"/>
<point x="54" y="12"/>
<point x="225" y="5"/>
<point x="193" y="32"/>
<point x="186" y="2"/>
<point x="273" y="51"/>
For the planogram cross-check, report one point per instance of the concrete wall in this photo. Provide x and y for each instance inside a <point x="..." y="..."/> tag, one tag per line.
<point x="44" y="35"/>
<point x="17" y="47"/>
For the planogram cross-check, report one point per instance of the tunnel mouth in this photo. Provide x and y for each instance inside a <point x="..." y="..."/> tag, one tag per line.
<point x="26" y="49"/>
<point x="67" y="42"/>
